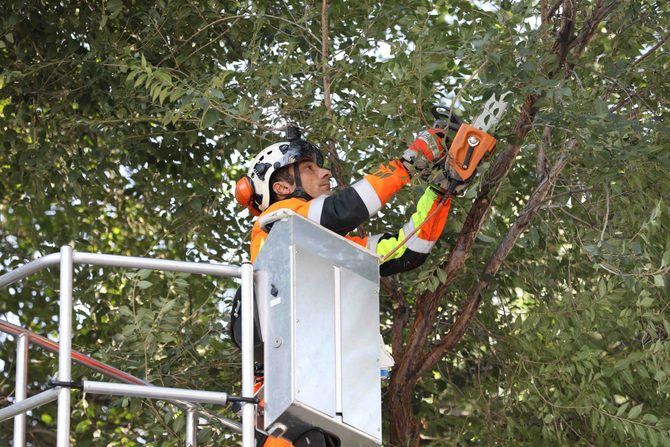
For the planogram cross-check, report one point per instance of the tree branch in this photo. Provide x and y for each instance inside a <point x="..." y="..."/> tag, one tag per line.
<point x="542" y="165"/>
<point x="427" y="304"/>
<point x="400" y="314"/>
<point x="415" y="361"/>
<point x="493" y="265"/>
<point x="336" y="164"/>
<point x="607" y="215"/>
<point x="564" y="38"/>
<point x="651" y="50"/>
<point x="585" y="35"/>
<point x="550" y="13"/>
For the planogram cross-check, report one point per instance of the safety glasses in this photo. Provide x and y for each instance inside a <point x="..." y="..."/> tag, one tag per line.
<point x="299" y="150"/>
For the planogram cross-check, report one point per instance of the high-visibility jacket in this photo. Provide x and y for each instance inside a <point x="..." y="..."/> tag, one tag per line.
<point x="349" y="207"/>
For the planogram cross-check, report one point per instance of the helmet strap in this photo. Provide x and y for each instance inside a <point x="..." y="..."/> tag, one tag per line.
<point x="299" y="191"/>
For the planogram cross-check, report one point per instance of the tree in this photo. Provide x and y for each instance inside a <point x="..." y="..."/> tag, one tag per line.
<point x="540" y="319"/>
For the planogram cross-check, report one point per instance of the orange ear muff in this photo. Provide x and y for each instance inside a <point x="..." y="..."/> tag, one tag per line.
<point x="244" y="194"/>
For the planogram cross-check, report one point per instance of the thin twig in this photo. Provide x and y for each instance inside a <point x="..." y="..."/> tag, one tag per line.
<point x="651" y="50"/>
<point x="607" y="213"/>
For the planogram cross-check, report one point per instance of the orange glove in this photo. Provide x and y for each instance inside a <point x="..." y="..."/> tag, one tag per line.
<point x="426" y="149"/>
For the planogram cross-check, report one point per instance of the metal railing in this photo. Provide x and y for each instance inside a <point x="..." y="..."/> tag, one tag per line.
<point x="133" y="386"/>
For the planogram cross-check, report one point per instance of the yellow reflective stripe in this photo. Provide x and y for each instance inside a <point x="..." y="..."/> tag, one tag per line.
<point x="423" y="206"/>
<point x="385" y="246"/>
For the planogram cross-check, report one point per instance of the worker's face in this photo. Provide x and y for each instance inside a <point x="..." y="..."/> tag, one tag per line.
<point x="315" y="179"/>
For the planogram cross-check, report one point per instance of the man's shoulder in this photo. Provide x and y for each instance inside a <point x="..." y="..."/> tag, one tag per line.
<point x="292" y="204"/>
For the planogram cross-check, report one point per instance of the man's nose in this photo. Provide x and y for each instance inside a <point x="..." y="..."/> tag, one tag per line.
<point x="325" y="172"/>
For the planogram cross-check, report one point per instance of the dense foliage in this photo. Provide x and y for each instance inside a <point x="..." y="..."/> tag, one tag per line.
<point x="124" y="125"/>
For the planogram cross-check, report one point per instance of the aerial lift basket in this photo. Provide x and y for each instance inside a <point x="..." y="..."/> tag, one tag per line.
<point x="317" y="296"/>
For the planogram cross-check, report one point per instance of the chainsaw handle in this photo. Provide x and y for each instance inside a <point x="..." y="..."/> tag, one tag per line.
<point x="445" y="118"/>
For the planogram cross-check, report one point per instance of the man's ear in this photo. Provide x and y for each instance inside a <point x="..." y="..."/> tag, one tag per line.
<point x="282" y="188"/>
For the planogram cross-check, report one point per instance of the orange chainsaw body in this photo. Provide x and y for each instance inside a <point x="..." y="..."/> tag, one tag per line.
<point x="467" y="150"/>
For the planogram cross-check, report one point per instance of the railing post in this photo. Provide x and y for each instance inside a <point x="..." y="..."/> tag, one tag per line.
<point x="21" y="391"/>
<point x="65" y="346"/>
<point x="248" y="409"/>
<point x="191" y="427"/>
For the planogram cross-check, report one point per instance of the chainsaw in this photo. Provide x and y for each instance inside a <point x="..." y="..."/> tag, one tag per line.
<point x="469" y="146"/>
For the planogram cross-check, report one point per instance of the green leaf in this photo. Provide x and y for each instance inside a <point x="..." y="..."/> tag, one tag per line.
<point x="659" y="281"/>
<point x="649" y="418"/>
<point x="646" y="302"/>
<point x="196" y="204"/>
<point x="176" y="94"/>
<point x="164" y="93"/>
<point x="144" y="284"/>
<point x="47" y="419"/>
<point x="622" y="409"/>
<point x="115" y="7"/>
<point x="640" y="432"/>
<point x="666" y="259"/>
<point x="487" y="239"/>
<point x="635" y="411"/>
<point x="140" y="79"/>
<point x="210" y="118"/>
<point x="387" y="109"/>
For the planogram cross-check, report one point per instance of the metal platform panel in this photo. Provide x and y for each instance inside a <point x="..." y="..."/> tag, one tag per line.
<point x="318" y="300"/>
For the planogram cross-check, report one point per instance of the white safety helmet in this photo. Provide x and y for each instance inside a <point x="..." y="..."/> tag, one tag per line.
<point x="253" y="190"/>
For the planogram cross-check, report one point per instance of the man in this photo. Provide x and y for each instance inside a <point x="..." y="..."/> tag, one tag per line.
<point x="291" y="175"/>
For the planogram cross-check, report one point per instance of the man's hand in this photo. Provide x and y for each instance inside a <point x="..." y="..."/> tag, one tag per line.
<point x="440" y="183"/>
<point x="425" y="150"/>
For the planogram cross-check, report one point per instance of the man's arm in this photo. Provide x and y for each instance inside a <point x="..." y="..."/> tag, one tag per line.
<point x="414" y="251"/>
<point x="349" y="207"/>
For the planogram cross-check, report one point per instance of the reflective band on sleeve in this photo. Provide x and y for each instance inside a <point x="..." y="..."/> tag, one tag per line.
<point x="408" y="227"/>
<point x="369" y="196"/>
<point x="373" y="241"/>
<point x="415" y="243"/>
<point x="418" y="245"/>
<point x="316" y="208"/>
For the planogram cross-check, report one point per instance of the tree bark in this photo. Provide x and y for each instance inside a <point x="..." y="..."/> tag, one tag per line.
<point x="404" y="428"/>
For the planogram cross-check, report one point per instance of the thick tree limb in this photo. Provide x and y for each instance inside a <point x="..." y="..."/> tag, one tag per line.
<point x="589" y="28"/>
<point x="414" y="361"/>
<point x="493" y="265"/>
<point x="427" y="304"/>
<point x="401" y="314"/>
<point x="551" y="11"/>
<point x="565" y="31"/>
